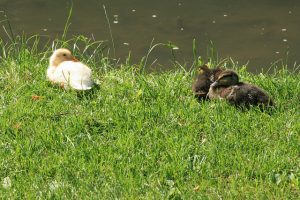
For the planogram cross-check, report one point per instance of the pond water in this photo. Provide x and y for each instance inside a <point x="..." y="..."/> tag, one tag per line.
<point x="258" y="31"/>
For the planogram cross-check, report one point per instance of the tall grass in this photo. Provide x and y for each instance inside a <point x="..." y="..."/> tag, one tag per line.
<point x="140" y="135"/>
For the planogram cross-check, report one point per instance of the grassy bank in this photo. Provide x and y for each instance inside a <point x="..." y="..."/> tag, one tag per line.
<point x="141" y="135"/>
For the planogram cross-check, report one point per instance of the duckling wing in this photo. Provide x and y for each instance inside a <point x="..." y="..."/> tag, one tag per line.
<point x="75" y="74"/>
<point x="247" y="94"/>
<point x="261" y="97"/>
<point x="239" y="95"/>
<point x="81" y="83"/>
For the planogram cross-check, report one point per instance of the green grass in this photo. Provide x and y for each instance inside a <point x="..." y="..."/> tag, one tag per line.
<point x="141" y="135"/>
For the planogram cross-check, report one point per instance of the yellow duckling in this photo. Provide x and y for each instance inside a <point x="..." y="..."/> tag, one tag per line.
<point x="66" y="70"/>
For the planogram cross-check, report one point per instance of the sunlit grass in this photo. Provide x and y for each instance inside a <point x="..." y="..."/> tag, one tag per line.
<point x="140" y="135"/>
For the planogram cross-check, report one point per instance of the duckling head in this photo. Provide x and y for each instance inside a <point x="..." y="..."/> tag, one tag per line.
<point x="203" y="69"/>
<point x="202" y="82"/>
<point x="61" y="55"/>
<point x="225" y="79"/>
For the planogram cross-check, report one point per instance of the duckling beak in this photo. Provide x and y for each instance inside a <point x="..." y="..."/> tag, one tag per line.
<point x="75" y="59"/>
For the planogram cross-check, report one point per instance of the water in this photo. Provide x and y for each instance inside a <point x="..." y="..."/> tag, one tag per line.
<point x="258" y="32"/>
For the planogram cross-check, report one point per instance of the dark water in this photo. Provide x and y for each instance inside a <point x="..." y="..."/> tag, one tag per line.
<point x="260" y="32"/>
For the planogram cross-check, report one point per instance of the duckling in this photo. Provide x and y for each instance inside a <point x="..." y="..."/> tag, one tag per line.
<point x="246" y="94"/>
<point x="205" y="78"/>
<point x="222" y="86"/>
<point x="228" y="87"/>
<point x="66" y="70"/>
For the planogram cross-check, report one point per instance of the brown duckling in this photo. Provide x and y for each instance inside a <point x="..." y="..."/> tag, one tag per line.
<point x="205" y="78"/>
<point x="227" y="86"/>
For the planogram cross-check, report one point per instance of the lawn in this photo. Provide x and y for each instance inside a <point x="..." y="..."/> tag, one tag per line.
<point x="141" y="135"/>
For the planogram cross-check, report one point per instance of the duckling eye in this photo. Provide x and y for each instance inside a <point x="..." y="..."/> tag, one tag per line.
<point x="64" y="54"/>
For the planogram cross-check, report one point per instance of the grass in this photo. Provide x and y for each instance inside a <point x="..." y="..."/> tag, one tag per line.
<point x="141" y="135"/>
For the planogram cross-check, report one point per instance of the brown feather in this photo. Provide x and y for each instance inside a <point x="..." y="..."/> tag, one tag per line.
<point x="204" y="79"/>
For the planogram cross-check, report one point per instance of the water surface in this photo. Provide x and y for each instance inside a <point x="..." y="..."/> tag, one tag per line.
<point x="258" y="32"/>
